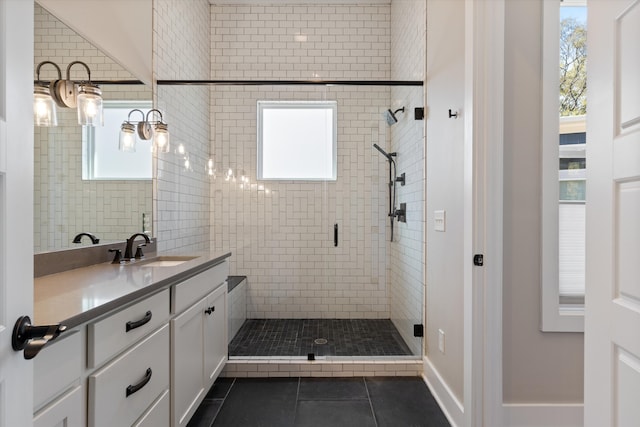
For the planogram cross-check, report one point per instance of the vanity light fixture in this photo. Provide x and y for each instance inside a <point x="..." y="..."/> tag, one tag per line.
<point x="83" y="95"/>
<point x="145" y="129"/>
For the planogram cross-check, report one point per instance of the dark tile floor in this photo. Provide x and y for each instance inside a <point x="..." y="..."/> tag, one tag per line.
<point x="297" y="337"/>
<point x="318" y="402"/>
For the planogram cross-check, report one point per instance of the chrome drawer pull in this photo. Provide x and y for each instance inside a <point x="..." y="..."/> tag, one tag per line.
<point x="134" y="388"/>
<point x="136" y="324"/>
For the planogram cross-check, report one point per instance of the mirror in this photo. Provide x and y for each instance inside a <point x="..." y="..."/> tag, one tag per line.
<point x="65" y="202"/>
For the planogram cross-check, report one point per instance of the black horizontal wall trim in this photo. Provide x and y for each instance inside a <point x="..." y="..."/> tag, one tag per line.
<point x="100" y="82"/>
<point x="117" y="82"/>
<point x="293" y="82"/>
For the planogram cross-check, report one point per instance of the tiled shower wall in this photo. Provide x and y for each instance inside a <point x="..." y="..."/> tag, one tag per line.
<point x="65" y="204"/>
<point x="408" y="49"/>
<point x="281" y="232"/>
<point x="181" y="50"/>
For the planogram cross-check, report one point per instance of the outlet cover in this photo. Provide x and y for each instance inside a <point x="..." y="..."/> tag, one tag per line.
<point x="439" y="220"/>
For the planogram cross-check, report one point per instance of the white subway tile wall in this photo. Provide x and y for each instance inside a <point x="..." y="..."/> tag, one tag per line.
<point x="65" y="204"/>
<point x="300" y="42"/>
<point x="408" y="50"/>
<point x="182" y="51"/>
<point x="281" y="232"/>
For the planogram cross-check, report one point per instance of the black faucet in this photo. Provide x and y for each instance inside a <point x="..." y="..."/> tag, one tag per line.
<point x="93" y="238"/>
<point x="128" y="252"/>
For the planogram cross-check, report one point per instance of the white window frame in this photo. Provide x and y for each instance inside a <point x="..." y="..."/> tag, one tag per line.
<point x="89" y="141"/>
<point x="262" y="105"/>
<point x="556" y="317"/>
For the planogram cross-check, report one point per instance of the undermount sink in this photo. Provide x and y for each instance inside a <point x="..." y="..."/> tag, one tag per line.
<point x="165" y="261"/>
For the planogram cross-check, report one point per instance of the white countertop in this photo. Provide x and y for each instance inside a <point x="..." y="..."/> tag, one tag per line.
<point x="74" y="297"/>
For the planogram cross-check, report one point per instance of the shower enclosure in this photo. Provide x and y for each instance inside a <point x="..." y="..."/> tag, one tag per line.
<point x="324" y="278"/>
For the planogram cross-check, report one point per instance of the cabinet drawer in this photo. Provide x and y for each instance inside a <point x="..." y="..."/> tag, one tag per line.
<point x="158" y="414"/>
<point x="67" y="411"/>
<point x="193" y="289"/>
<point x="111" y="335"/>
<point x="56" y="368"/>
<point x="122" y="391"/>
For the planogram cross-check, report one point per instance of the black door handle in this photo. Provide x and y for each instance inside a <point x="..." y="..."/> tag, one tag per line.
<point x="137" y="323"/>
<point x="136" y="387"/>
<point x="31" y="338"/>
<point x="335" y="234"/>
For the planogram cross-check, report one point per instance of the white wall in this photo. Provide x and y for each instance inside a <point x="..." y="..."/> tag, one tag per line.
<point x="408" y="51"/>
<point x="182" y="51"/>
<point x="537" y="367"/>
<point x="445" y="189"/>
<point x="120" y="28"/>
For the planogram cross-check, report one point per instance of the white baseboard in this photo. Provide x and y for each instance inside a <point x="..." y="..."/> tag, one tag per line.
<point x="449" y="403"/>
<point x="543" y="415"/>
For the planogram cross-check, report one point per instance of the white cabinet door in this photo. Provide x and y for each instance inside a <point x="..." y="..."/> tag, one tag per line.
<point x="187" y="364"/>
<point x="215" y="333"/>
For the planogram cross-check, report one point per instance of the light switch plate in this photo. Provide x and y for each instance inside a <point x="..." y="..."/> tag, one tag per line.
<point x="439" y="220"/>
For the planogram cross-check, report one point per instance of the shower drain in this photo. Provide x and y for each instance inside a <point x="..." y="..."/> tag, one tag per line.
<point x="320" y="341"/>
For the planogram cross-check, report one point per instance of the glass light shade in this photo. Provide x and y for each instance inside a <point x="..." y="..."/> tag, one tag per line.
<point x="127" y="138"/>
<point x="44" y="108"/>
<point x="89" y="102"/>
<point x="161" y="137"/>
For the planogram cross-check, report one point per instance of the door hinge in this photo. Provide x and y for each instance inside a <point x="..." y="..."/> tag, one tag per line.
<point x="478" y="259"/>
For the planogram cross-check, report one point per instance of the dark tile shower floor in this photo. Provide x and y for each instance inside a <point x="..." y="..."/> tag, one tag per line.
<point x="300" y="337"/>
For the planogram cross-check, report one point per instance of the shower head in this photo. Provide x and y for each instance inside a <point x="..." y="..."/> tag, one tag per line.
<point x="390" y="116"/>
<point x="389" y="156"/>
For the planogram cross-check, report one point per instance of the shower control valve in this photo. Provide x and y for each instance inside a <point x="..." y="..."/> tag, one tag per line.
<point x="401" y="213"/>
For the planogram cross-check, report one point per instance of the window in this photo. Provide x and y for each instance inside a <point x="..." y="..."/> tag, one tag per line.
<point x="101" y="159"/>
<point x="564" y="186"/>
<point x="297" y="140"/>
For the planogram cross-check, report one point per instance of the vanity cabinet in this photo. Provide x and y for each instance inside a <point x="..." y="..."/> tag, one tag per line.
<point x="198" y="340"/>
<point x="146" y="364"/>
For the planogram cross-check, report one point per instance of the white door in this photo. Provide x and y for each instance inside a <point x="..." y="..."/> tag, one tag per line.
<point x="612" y="320"/>
<point x="16" y="205"/>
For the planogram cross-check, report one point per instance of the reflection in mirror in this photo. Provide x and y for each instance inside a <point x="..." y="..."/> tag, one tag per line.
<point x="65" y="202"/>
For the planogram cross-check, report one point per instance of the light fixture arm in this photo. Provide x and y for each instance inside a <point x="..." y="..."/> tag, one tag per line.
<point x="84" y="65"/>
<point x="152" y="110"/>
<point x="135" y="109"/>
<point x="47" y="62"/>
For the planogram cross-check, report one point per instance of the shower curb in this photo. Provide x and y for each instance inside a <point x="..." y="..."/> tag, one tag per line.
<point x="299" y="367"/>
